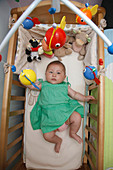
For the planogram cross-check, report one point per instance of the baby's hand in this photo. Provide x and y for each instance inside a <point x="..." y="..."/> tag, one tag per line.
<point x="87" y="98"/>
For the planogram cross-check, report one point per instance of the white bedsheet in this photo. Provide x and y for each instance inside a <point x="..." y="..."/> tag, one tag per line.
<point x="40" y="154"/>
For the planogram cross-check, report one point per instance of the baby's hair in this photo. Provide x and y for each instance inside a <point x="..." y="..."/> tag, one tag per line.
<point x="58" y="63"/>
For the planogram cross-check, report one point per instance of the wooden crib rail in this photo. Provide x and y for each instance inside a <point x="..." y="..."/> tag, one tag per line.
<point x="5" y="163"/>
<point x="100" y="102"/>
<point x="6" y="114"/>
<point x="12" y="129"/>
<point x="42" y="10"/>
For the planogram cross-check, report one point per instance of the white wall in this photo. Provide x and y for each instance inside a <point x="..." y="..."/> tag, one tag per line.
<point x="4" y="21"/>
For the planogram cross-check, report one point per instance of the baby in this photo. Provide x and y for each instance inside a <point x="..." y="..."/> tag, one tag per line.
<point x="57" y="106"/>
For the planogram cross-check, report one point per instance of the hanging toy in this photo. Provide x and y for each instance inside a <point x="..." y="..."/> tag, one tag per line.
<point x="55" y="36"/>
<point x="52" y="11"/>
<point x="30" y="22"/>
<point x="89" y="12"/>
<point x="28" y="77"/>
<point x="90" y="73"/>
<point x="6" y="66"/>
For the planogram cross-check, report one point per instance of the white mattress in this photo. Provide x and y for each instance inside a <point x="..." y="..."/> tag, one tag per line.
<point x="40" y="154"/>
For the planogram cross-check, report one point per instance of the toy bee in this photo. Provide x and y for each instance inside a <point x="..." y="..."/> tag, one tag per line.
<point x="89" y="12"/>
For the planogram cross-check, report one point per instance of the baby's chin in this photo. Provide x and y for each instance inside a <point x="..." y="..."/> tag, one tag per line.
<point x="54" y="82"/>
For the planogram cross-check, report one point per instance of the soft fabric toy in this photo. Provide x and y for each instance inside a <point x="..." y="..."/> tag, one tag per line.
<point x="79" y="45"/>
<point x="66" y="49"/>
<point x="102" y="24"/>
<point x="33" y="50"/>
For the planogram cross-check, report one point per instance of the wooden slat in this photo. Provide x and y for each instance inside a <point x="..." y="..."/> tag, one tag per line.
<point x="14" y="142"/>
<point x="91" y="146"/>
<point x="23" y="129"/>
<point x="93" y="101"/>
<point x="20" y="166"/>
<point x="17" y="112"/>
<point x="90" y="161"/>
<point x="86" y="132"/>
<point x="17" y="83"/>
<point x="13" y="157"/>
<point x="91" y="131"/>
<point x="18" y="98"/>
<point x="92" y="116"/>
<point x="92" y="87"/>
<point x="6" y="99"/>
<point x="12" y="129"/>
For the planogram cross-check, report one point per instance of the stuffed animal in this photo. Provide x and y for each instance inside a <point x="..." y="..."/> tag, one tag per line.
<point x="79" y="45"/>
<point x="34" y="50"/>
<point x="66" y="49"/>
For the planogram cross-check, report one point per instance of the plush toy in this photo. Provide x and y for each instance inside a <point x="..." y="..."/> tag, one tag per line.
<point x="34" y="50"/>
<point x="102" y="24"/>
<point x="79" y="45"/>
<point x="66" y="49"/>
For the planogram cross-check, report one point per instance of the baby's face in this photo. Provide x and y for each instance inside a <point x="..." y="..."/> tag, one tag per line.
<point x="55" y="74"/>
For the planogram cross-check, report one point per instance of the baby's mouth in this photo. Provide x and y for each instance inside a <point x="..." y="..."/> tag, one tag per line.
<point x="53" y="79"/>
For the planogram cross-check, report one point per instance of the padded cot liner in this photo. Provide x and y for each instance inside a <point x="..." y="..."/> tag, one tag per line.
<point x="38" y="153"/>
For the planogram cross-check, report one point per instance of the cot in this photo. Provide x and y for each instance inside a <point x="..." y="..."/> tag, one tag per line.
<point x="98" y="91"/>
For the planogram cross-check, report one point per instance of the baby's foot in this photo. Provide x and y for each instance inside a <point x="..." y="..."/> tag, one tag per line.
<point x="58" y="145"/>
<point x="77" y="138"/>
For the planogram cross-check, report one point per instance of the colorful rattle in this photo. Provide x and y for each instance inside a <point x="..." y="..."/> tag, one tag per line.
<point x="28" y="77"/>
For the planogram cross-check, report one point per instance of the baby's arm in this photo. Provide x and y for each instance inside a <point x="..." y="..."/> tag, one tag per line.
<point x="78" y="96"/>
<point x="32" y="87"/>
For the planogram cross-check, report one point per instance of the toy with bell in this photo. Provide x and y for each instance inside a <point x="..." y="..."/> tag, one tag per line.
<point x="90" y="73"/>
<point x="55" y="36"/>
<point x="29" y="22"/>
<point x="28" y="77"/>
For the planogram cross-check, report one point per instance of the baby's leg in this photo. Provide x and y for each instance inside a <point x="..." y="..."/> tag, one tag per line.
<point x="53" y="138"/>
<point x="75" y="122"/>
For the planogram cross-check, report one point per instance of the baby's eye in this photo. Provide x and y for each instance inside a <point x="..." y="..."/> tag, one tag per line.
<point x="58" y="72"/>
<point x="50" y="71"/>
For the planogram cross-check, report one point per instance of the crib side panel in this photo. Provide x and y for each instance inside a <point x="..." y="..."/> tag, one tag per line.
<point x="6" y="113"/>
<point x="96" y="115"/>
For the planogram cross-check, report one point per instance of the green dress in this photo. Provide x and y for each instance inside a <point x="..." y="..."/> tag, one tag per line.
<point x="53" y="107"/>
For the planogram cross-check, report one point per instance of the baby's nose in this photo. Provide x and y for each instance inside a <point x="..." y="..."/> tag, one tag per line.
<point x="54" y="74"/>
